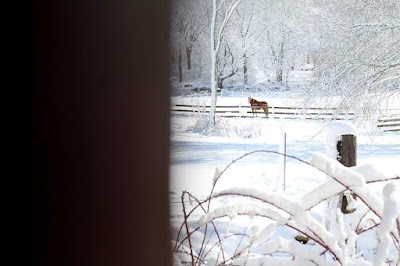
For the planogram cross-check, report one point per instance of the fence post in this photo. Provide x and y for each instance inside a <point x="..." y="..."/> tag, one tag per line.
<point x="347" y="149"/>
<point x="273" y="112"/>
<point x="340" y="142"/>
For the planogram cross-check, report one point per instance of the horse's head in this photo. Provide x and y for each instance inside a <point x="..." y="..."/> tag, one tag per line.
<point x="249" y="99"/>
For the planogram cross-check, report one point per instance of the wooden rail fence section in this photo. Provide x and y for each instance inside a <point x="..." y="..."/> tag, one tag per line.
<point x="389" y="121"/>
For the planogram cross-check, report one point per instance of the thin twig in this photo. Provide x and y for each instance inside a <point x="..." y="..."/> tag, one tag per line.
<point x="187" y="228"/>
<point x="188" y="235"/>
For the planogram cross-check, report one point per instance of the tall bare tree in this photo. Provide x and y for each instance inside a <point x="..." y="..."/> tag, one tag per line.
<point x="226" y="64"/>
<point x="187" y="28"/>
<point x="221" y="13"/>
<point x="281" y="37"/>
<point x="247" y="34"/>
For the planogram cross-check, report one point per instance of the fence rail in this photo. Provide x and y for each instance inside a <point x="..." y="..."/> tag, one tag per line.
<point x="389" y="121"/>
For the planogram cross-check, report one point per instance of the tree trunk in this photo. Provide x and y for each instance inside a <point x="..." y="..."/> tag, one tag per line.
<point x="219" y="83"/>
<point x="279" y="75"/>
<point x="189" y="58"/>
<point x="220" y="80"/>
<point x="245" y="69"/>
<point x="214" y="52"/>
<point x="279" y="71"/>
<point x="211" y="120"/>
<point x="180" y="66"/>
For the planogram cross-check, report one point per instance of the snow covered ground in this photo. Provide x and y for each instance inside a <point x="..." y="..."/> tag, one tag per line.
<point x="196" y="157"/>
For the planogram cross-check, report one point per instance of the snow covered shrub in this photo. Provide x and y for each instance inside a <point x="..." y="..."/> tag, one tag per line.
<point x="200" y="125"/>
<point x="225" y="127"/>
<point x="249" y="130"/>
<point x="210" y="235"/>
<point x="222" y="127"/>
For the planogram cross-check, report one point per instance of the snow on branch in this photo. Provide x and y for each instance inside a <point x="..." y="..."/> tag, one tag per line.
<point x="349" y="179"/>
<point x="372" y="174"/>
<point x="233" y="210"/>
<point x="309" y="255"/>
<point x="331" y="187"/>
<point x="391" y="212"/>
<point x="274" y="199"/>
<point x="295" y="217"/>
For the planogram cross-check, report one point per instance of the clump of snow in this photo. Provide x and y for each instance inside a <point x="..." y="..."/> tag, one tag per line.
<point x="346" y="176"/>
<point x="217" y="174"/>
<point x="371" y="173"/>
<point x="264" y="234"/>
<point x="333" y="133"/>
<point x="352" y="205"/>
<point x="338" y="128"/>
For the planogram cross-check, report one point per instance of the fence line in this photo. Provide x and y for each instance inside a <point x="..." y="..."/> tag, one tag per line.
<point x="388" y="120"/>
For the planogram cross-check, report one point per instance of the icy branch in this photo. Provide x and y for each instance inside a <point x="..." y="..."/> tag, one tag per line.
<point x="391" y="212"/>
<point x="349" y="179"/>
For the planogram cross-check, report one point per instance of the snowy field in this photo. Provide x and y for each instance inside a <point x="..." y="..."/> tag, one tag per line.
<point x="196" y="159"/>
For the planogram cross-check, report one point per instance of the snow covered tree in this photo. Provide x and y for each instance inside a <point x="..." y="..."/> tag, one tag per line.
<point x="238" y="44"/>
<point x="186" y="30"/>
<point x="226" y="64"/>
<point x="357" y="57"/>
<point x="281" y="37"/>
<point x="221" y="13"/>
<point x="246" y="34"/>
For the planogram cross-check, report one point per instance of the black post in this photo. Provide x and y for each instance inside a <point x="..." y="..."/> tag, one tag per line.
<point x="347" y="149"/>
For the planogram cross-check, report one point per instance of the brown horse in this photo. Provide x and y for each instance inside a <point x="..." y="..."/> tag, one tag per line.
<point x="260" y="105"/>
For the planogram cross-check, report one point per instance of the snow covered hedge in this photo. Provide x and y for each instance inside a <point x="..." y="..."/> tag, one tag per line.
<point x="368" y="236"/>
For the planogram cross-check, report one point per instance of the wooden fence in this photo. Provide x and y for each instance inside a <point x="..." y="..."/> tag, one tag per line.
<point x="389" y="121"/>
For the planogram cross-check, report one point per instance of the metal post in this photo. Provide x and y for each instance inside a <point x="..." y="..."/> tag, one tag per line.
<point x="284" y="162"/>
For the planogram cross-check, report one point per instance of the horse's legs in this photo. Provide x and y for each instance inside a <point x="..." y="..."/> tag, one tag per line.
<point x="266" y="112"/>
